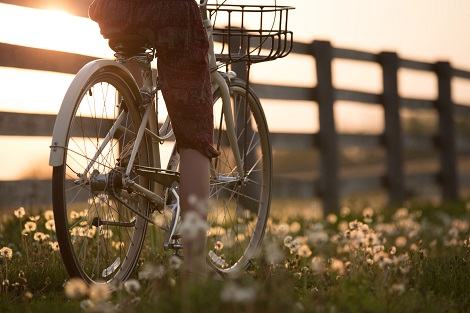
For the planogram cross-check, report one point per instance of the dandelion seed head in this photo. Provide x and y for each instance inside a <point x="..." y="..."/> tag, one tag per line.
<point x="282" y="230"/>
<point x="174" y="262"/>
<point x="345" y="211"/>
<point x="50" y="225"/>
<point x="132" y="286"/>
<point x="368" y="212"/>
<point x="74" y="215"/>
<point x="49" y="215"/>
<point x="151" y="272"/>
<point x="317" y="264"/>
<point x="30" y="226"/>
<point x="54" y="245"/>
<point x="331" y="218"/>
<point x="193" y="225"/>
<point x="398" y="289"/>
<point x="20" y="212"/>
<point x="318" y="238"/>
<point x="288" y="240"/>
<point x="304" y="251"/>
<point x="39" y="236"/>
<point x="76" y="288"/>
<point x="34" y="218"/>
<point x="295" y="227"/>
<point x="400" y="213"/>
<point x="343" y="226"/>
<point x="337" y="266"/>
<point x="99" y="292"/>
<point x="273" y="254"/>
<point x="6" y="253"/>
<point x="234" y="293"/>
<point x="400" y="241"/>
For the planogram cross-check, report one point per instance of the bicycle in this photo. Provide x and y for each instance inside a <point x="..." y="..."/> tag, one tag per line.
<point x="108" y="182"/>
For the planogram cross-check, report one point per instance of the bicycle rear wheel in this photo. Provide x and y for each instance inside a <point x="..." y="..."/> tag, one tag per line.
<point x="100" y="224"/>
<point x="239" y="206"/>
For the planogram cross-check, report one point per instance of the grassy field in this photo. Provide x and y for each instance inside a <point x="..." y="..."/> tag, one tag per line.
<point x="363" y="259"/>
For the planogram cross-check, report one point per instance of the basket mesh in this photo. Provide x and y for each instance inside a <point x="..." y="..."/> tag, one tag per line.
<point x="250" y="33"/>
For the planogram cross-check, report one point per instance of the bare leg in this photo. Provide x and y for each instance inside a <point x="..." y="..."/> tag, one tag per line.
<point x="194" y="183"/>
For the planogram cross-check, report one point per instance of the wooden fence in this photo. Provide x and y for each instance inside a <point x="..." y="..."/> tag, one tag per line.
<point x="329" y="185"/>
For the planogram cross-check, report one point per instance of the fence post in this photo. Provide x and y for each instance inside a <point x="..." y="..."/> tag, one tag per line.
<point x="323" y="53"/>
<point x="446" y="136"/>
<point x="395" y="181"/>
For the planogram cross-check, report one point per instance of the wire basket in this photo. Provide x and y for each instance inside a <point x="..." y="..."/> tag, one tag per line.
<point x="250" y="33"/>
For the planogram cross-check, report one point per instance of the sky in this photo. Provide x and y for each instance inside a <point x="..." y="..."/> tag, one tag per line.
<point x="424" y="30"/>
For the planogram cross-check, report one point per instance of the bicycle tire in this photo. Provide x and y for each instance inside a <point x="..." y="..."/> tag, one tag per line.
<point x="100" y="237"/>
<point x="239" y="206"/>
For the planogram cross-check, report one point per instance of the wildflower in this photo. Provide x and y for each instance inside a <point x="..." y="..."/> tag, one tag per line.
<point x="99" y="292"/>
<point x="304" y="251"/>
<point x="30" y="226"/>
<point x="132" y="286"/>
<point x="392" y="250"/>
<point x="49" y="215"/>
<point x="20" y="212"/>
<point x="6" y="253"/>
<point x="175" y="262"/>
<point x="76" y="288"/>
<point x="74" y="215"/>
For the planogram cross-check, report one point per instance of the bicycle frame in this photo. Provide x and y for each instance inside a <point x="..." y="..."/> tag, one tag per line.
<point x="149" y="120"/>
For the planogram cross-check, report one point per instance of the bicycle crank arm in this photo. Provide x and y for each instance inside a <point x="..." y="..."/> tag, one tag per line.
<point x="158" y="175"/>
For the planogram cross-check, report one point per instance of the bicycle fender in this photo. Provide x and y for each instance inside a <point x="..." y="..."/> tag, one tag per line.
<point x="68" y="106"/>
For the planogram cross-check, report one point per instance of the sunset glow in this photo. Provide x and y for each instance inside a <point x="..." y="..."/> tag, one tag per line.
<point x="51" y="29"/>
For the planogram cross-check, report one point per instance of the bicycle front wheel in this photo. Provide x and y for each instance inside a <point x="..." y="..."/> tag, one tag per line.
<point x="239" y="204"/>
<point x="100" y="224"/>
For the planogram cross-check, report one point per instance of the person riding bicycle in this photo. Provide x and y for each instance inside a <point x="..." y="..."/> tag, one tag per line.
<point x="175" y="29"/>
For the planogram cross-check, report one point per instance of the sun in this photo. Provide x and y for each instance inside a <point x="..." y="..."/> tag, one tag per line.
<point x="51" y="29"/>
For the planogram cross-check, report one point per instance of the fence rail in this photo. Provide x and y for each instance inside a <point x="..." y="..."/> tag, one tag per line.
<point x="328" y="183"/>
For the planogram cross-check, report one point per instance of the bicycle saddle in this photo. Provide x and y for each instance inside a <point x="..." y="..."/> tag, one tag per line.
<point x="130" y="45"/>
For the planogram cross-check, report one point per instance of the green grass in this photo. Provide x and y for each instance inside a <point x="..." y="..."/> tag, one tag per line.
<point x="415" y="259"/>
